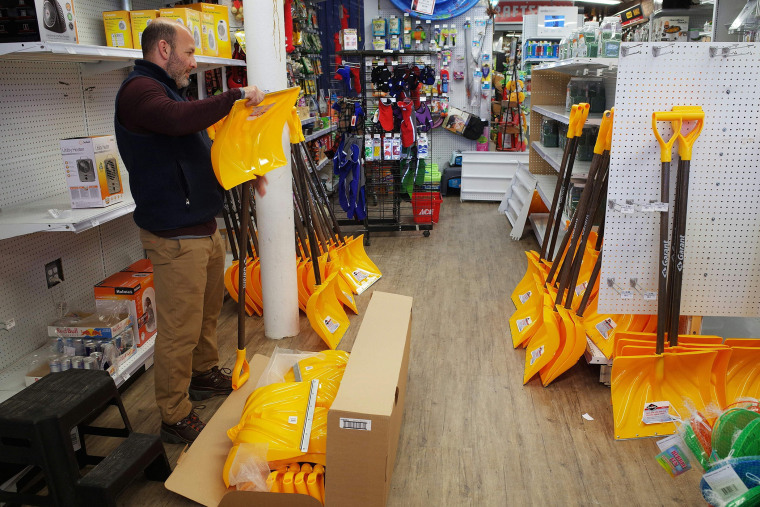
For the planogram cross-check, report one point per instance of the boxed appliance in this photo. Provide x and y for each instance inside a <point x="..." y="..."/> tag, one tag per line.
<point x="118" y="29"/>
<point x="209" y="44"/>
<point x="40" y="20"/>
<point x="92" y="171"/>
<point x="141" y="266"/>
<point x="138" y="291"/>
<point x="221" y="26"/>
<point x="57" y="21"/>
<point x="363" y="423"/>
<point x="140" y="21"/>
<point x="189" y="18"/>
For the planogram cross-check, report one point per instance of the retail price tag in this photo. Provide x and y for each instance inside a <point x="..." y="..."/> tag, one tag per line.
<point x="525" y="297"/>
<point x="626" y="294"/>
<point x="647" y="207"/>
<point x="125" y="376"/>
<point x="536" y="354"/>
<point x="650" y="296"/>
<point x="359" y="275"/>
<point x="523" y="323"/>
<point x="661" y="206"/>
<point x="580" y="289"/>
<point x="331" y="324"/>
<point x="626" y="208"/>
<point x="605" y="326"/>
<point x="725" y="482"/>
<point x="656" y="412"/>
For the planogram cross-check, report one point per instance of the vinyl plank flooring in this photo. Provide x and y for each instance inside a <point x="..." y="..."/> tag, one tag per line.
<point x="472" y="434"/>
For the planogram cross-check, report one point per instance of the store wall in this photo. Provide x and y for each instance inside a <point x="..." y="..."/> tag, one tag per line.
<point x="44" y="102"/>
<point x="443" y="141"/>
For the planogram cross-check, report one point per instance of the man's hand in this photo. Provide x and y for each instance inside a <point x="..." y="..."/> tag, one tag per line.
<point x="253" y="95"/>
<point x="260" y="184"/>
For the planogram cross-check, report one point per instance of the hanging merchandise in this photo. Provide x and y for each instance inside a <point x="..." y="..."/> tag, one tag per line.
<point x="443" y="9"/>
<point x="419" y="36"/>
<point x="423" y="117"/>
<point x="444" y="81"/>
<point x="422" y="145"/>
<point x="459" y="67"/>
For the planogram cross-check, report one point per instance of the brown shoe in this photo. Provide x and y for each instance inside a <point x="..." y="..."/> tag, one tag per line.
<point x="184" y="431"/>
<point x="214" y="382"/>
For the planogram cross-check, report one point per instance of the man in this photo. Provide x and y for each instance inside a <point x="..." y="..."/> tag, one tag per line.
<point x="166" y="150"/>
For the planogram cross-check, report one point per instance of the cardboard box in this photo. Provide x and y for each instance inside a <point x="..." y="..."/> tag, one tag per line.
<point x="141" y="266"/>
<point x="136" y="289"/>
<point x="189" y="18"/>
<point x="210" y="45"/>
<point x="56" y="20"/>
<point x="92" y="171"/>
<point x="221" y="26"/>
<point x="85" y="325"/>
<point x="359" y="461"/>
<point x="118" y="29"/>
<point x="140" y="21"/>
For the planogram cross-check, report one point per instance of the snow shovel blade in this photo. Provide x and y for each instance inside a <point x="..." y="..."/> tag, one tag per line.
<point x="601" y="328"/>
<point x="360" y="273"/>
<point x="742" y="342"/>
<point x="571" y="350"/>
<point x="326" y="314"/>
<point x="743" y="374"/>
<point x="249" y="143"/>
<point x="527" y="285"/>
<point x="342" y="290"/>
<point x="544" y="344"/>
<point x="638" y="382"/>
<point x="683" y="339"/>
<point x="528" y="318"/>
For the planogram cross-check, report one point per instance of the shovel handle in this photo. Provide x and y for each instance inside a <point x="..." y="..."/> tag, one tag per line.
<point x="601" y="137"/>
<point x="241" y="370"/>
<point x="686" y="142"/>
<point x="608" y="139"/>
<point x="666" y="147"/>
<point x="583" y="110"/>
<point x="573" y="119"/>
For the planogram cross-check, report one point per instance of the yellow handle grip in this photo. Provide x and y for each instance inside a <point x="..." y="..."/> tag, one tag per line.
<point x="608" y="144"/>
<point x="686" y="142"/>
<point x="666" y="147"/>
<point x="583" y="109"/>
<point x="601" y="137"/>
<point x="294" y="126"/>
<point x="241" y="370"/>
<point x="573" y="119"/>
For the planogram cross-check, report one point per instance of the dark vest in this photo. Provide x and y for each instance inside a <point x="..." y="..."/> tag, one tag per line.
<point x="171" y="177"/>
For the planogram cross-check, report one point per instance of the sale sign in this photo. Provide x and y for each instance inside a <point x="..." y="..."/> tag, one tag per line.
<point x="513" y="11"/>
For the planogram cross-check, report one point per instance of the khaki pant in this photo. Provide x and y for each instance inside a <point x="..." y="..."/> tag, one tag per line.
<point x="189" y="280"/>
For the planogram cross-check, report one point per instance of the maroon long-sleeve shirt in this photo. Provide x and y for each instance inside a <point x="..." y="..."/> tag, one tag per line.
<point x="144" y="108"/>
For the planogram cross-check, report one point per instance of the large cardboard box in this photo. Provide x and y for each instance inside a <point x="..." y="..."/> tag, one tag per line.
<point x="364" y="422"/>
<point x="189" y="18"/>
<point x="221" y="28"/>
<point x="118" y="29"/>
<point x="140" y="21"/>
<point x="92" y="171"/>
<point x="136" y="289"/>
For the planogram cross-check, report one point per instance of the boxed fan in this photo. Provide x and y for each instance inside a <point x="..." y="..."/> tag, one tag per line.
<point x="92" y="171"/>
<point x="118" y="29"/>
<point x="220" y="31"/>
<point x="40" y="20"/>
<point x="136" y="288"/>
<point x="140" y="21"/>
<point x="189" y="18"/>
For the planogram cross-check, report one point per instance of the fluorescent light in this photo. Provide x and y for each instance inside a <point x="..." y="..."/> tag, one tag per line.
<point x="603" y="2"/>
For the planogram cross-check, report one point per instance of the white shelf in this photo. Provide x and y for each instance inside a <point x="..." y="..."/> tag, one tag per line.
<point x="554" y="157"/>
<point x="308" y="120"/>
<point x="33" y="216"/>
<point x="12" y="377"/>
<point x="320" y="133"/>
<point x="558" y="113"/>
<point x="538" y="224"/>
<point x="574" y="65"/>
<point x="96" y="58"/>
<point x="545" y="187"/>
<point x="539" y="59"/>
<point x="702" y="9"/>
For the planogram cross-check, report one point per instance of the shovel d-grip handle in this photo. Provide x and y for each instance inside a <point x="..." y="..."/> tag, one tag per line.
<point x="241" y="370"/>
<point x="583" y="109"/>
<point x="608" y="139"/>
<point x="604" y="129"/>
<point x="294" y="126"/>
<point x="686" y="142"/>
<point x="666" y="148"/>
<point x="571" y="123"/>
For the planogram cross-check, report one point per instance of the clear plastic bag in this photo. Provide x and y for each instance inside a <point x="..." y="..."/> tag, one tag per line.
<point x="280" y="363"/>
<point x="248" y="469"/>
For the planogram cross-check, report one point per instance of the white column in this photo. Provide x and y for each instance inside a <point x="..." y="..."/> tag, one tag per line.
<point x="265" y="55"/>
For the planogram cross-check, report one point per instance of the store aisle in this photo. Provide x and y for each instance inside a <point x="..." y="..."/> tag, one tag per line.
<point x="472" y="434"/>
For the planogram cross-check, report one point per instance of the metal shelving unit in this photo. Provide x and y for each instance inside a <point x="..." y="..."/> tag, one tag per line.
<point x="319" y="133"/>
<point x="554" y="157"/>
<point x="560" y="114"/>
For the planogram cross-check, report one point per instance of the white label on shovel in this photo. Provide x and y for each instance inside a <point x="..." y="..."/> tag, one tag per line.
<point x="580" y="289"/>
<point x="605" y="326"/>
<point x="536" y="354"/>
<point x="525" y="297"/>
<point x="523" y="323"/>
<point x="656" y="412"/>
<point x="725" y="482"/>
<point x="331" y="324"/>
<point x="293" y="419"/>
<point x="359" y="275"/>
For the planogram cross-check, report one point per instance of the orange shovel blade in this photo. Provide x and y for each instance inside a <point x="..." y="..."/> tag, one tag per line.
<point x="326" y="314"/>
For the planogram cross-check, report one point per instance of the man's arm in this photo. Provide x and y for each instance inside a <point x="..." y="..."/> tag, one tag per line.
<point x="145" y="108"/>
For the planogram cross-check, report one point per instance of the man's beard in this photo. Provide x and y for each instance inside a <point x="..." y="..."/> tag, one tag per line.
<point x="176" y="71"/>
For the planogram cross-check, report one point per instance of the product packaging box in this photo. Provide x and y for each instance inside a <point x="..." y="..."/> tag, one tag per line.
<point x="56" y="20"/>
<point x="350" y="39"/>
<point x="140" y="21"/>
<point x="210" y="46"/>
<point x="118" y="29"/>
<point x="92" y="171"/>
<point x="221" y="26"/>
<point x="670" y="29"/>
<point x="189" y="18"/>
<point x="137" y="291"/>
<point x="363" y="424"/>
<point x="87" y="325"/>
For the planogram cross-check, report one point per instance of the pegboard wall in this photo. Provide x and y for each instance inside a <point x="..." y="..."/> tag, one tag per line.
<point x="443" y="141"/>
<point x="42" y="103"/>
<point x="722" y="251"/>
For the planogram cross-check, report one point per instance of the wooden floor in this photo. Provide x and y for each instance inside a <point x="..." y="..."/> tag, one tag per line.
<point x="472" y="433"/>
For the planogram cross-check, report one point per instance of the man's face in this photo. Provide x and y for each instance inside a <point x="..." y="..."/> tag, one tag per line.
<point x="182" y="58"/>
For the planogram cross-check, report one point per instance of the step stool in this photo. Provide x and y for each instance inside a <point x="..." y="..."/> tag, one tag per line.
<point x="44" y="426"/>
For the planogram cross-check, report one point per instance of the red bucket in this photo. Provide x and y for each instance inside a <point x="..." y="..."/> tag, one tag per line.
<point x="426" y="206"/>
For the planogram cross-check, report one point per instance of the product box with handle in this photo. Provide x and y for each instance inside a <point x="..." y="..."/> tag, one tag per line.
<point x="363" y="423"/>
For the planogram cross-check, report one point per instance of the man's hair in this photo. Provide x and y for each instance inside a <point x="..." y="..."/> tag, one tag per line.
<point x="158" y="30"/>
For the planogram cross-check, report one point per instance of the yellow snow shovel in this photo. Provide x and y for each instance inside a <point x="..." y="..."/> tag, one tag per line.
<point x="528" y="318"/>
<point x="544" y="344"/>
<point x="743" y="374"/>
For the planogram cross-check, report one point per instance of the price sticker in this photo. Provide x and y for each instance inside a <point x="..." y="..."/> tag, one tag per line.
<point x="725" y="482"/>
<point x="627" y="209"/>
<point x="650" y="296"/>
<point x="661" y="206"/>
<point x="626" y="294"/>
